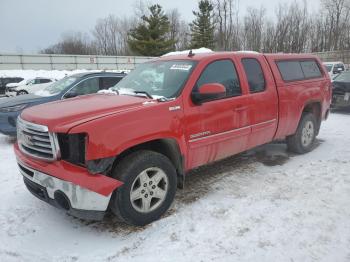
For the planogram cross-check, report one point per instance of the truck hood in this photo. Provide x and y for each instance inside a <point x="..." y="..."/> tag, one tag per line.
<point x="61" y="116"/>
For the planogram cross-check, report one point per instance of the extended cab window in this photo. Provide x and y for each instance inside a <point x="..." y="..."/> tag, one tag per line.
<point x="255" y="75"/>
<point x="222" y="72"/>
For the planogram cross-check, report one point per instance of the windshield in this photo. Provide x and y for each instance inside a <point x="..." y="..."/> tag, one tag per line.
<point x="158" y="79"/>
<point x="329" y="67"/>
<point x="57" y="87"/>
<point x="343" y="77"/>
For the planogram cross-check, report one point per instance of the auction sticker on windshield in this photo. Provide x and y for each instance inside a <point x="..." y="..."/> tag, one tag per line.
<point x="181" y="67"/>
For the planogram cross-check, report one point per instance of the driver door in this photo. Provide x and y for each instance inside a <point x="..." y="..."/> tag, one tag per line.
<point x="219" y="128"/>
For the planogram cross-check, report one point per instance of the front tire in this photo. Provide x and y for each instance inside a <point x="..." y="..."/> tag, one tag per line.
<point x="149" y="187"/>
<point x="303" y="140"/>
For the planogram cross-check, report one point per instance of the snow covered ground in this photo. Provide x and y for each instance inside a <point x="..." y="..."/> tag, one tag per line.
<point x="265" y="205"/>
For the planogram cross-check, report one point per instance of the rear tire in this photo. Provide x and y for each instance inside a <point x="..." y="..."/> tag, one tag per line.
<point x="149" y="187"/>
<point x="303" y="140"/>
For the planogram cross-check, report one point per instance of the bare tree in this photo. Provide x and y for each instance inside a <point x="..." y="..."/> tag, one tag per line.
<point x="227" y="21"/>
<point x="111" y="34"/>
<point x="74" y="43"/>
<point x="253" y="29"/>
<point x="100" y="32"/>
<point x="269" y="37"/>
<point x="174" y="19"/>
<point x="141" y="8"/>
<point x="337" y="16"/>
<point x="184" y="36"/>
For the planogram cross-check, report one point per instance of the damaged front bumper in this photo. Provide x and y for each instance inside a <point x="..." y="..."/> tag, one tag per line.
<point x="76" y="200"/>
<point x="79" y="196"/>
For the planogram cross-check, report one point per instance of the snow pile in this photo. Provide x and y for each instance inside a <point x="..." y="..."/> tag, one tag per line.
<point x="107" y="92"/>
<point x="265" y="205"/>
<point x="194" y="51"/>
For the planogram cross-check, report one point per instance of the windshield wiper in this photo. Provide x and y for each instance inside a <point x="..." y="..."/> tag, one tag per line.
<point x="131" y="92"/>
<point x="144" y="93"/>
<point x="163" y="99"/>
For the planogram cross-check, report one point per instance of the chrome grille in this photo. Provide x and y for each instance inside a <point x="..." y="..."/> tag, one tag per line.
<point x="36" y="141"/>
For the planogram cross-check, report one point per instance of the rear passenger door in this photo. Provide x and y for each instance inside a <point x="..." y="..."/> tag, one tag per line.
<point x="262" y="99"/>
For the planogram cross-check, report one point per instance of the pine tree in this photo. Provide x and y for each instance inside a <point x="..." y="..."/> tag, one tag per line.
<point x="202" y="28"/>
<point x="150" y="37"/>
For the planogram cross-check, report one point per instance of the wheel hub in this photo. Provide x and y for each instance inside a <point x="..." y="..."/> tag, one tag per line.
<point x="307" y="133"/>
<point x="149" y="190"/>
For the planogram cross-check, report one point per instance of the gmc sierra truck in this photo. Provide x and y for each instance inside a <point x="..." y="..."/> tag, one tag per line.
<point x="128" y="149"/>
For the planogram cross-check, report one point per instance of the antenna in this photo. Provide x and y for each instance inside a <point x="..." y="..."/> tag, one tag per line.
<point x="190" y="54"/>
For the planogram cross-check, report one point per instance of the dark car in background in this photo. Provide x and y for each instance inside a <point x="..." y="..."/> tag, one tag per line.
<point x="68" y="87"/>
<point x="7" y="80"/>
<point x="341" y="90"/>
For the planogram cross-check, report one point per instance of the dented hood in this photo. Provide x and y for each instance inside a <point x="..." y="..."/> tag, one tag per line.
<point x="60" y="116"/>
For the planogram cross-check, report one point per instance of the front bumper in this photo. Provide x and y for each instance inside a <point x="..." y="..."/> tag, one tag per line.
<point x="77" y="201"/>
<point x="67" y="186"/>
<point x="8" y="123"/>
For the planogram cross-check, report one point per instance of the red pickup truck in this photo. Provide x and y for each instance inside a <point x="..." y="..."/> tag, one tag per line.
<point x="128" y="149"/>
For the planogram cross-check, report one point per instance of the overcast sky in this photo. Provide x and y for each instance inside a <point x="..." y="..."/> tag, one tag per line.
<point x="30" y="25"/>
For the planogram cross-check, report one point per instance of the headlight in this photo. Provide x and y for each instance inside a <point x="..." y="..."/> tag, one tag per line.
<point x="72" y="147"/>
<point x="13" y="108"/>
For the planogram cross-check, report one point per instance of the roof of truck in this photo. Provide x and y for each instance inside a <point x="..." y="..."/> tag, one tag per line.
<point x="200" y="56"/>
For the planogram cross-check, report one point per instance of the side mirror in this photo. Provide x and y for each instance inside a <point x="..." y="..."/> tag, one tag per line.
<point x="70" y="94"/>
<point x="208" y="92"/>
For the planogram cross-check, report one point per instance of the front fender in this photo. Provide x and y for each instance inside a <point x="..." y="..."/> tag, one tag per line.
<point x="109" y="136"/>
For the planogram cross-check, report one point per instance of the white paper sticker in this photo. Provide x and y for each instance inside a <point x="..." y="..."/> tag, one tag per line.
<point x="347" y="96"/>
<point x="181" y="67"/>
